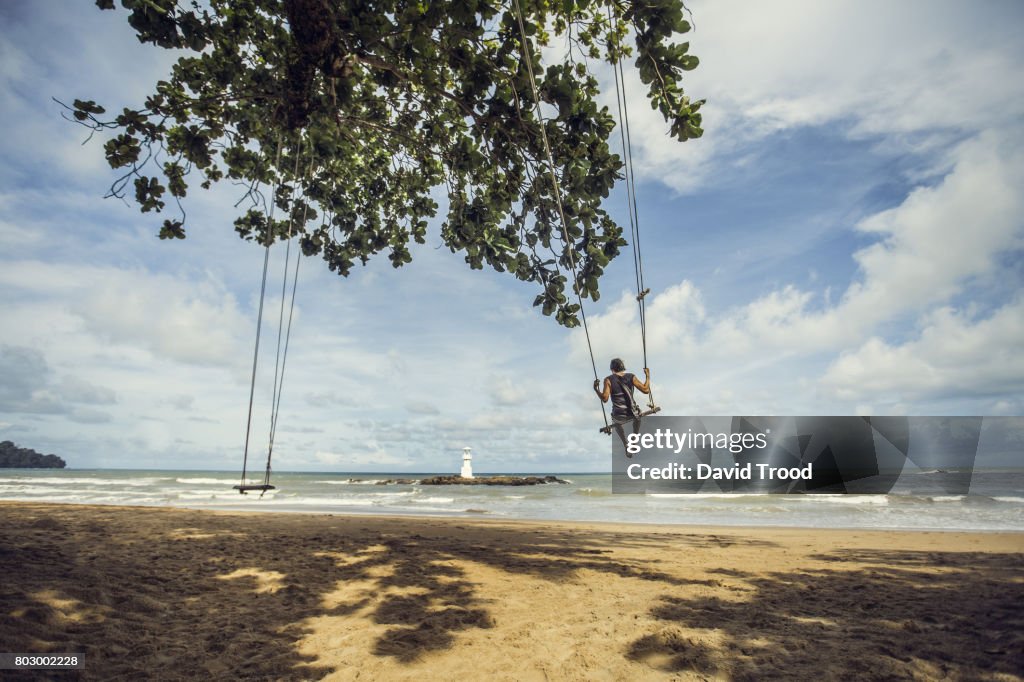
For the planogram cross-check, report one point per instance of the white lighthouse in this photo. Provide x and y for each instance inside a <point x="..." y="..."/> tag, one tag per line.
<point x="467" y="464"/>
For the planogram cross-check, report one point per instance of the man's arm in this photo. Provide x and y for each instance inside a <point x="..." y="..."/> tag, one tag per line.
<point x="607" y="393"/>
<point x="646" y="386"/>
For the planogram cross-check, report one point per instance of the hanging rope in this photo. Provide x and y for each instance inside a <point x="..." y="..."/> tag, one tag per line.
<point x="569" y="245"/>
<point x="259" y="320"/>
<point x="283" y="356"/>
<point x="634" y="215"/>
<point x="280" y="317"/>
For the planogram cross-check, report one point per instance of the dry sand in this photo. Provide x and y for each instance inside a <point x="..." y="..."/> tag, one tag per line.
<point x="179" y="594"/>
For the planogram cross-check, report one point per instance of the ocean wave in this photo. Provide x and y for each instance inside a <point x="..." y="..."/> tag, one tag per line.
<point x="447" y="511"/>
<point x="208" y="481"/>
<point x="139" y="499"/>
<point x="75" y="480"/>
<point x="29" y="490"/>
<point x="206" y="495"/>
<point x="59" y="494"/>
<point x="283" y="501"/>
<point x="593" y="492"/>
<point x="368" y="481"/>
<point x="717" y="496"/>
<point x="331" y="502"/>
<point x="839" y="498"/>
<point x="981" y="500"/>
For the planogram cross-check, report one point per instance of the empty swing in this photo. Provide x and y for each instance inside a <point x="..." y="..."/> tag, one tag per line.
<point x="281" y="355"/>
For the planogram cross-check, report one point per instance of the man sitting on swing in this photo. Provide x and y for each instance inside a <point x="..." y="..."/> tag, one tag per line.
<point x="619" y="387"/>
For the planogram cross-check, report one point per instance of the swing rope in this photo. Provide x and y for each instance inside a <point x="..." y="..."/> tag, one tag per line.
<point x="259" y="321"/>
<point x="569" y="245"/>
<point x="281" y="355"/>
<point x="634" y="215"/>
<point x="280" y="329"/>
<point x="279" y="385"/>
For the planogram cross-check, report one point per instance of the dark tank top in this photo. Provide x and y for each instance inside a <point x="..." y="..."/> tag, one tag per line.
<point x="622" y="403"/>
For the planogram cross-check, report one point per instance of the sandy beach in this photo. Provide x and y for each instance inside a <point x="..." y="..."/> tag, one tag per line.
<point x="181" y="594"/>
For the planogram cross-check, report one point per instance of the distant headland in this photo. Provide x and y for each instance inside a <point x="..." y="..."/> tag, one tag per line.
<point x="13" y="457"/>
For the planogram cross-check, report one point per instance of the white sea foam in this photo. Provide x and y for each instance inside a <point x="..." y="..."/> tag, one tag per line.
<point x="76" y="480"/>
<point x="207" y="481"/>
<point x="371" y="481"/>
<point x="330" y="502"/>
<point x="15" y="492"/>
<point x="593" y="492"/>
<point x="837" y="498"/>
<point x="712" y="496"/>
<point x="29" y="490"/>
<point x="995" y="503"/>
<point x="443" y="510"/>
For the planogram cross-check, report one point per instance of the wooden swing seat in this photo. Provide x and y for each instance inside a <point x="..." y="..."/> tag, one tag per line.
<point x="645" y="413"/>
<point x="243" y="489"/>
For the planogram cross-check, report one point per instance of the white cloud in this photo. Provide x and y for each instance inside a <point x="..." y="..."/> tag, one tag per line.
<point x="332" y="398"/>
<point x="76" y="390"/>
<point x="422" y="407"/>
<point x="878" y="69"/>
<point x="181" y="402"/>
<point x="403" y="368"/>
<point x="374" y="460"/>
<point x="941" y="236"/>
<point x="28" y="386"/>
<point x="940" y="244"/>
<point x="507" y="391"/>
<point x="955" y="353"/>
<point x="89" y="416"/>
<point x="190" y="319"/>
<point x="932" y="245"/>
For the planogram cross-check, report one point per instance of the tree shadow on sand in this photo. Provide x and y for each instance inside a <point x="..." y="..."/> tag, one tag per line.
<point x="888" y="615"/>
<point x="229" y="596"/>
<point x="444" y="602"/>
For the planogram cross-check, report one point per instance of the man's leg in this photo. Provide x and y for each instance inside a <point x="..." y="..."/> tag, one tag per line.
<point x="622" y="436"/>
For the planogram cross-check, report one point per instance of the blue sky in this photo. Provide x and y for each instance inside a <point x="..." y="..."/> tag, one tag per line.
<point x="845" y="239"/>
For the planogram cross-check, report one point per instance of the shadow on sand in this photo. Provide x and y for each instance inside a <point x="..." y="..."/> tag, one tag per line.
<point x="880" y="615"/>
<point x="179" y="594"/>
<point x="120" y="586"/>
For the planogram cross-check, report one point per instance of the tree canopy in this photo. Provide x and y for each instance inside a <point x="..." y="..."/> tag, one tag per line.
<point x="357" y="115"/>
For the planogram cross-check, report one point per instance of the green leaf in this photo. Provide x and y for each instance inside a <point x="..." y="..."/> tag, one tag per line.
<point x="357" y="121"/>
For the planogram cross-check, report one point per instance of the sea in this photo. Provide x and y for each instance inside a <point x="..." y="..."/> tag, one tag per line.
<point x="995" y="501"/>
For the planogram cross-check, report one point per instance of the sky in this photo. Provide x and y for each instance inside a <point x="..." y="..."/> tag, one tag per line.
<point x="846" y="238"/>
